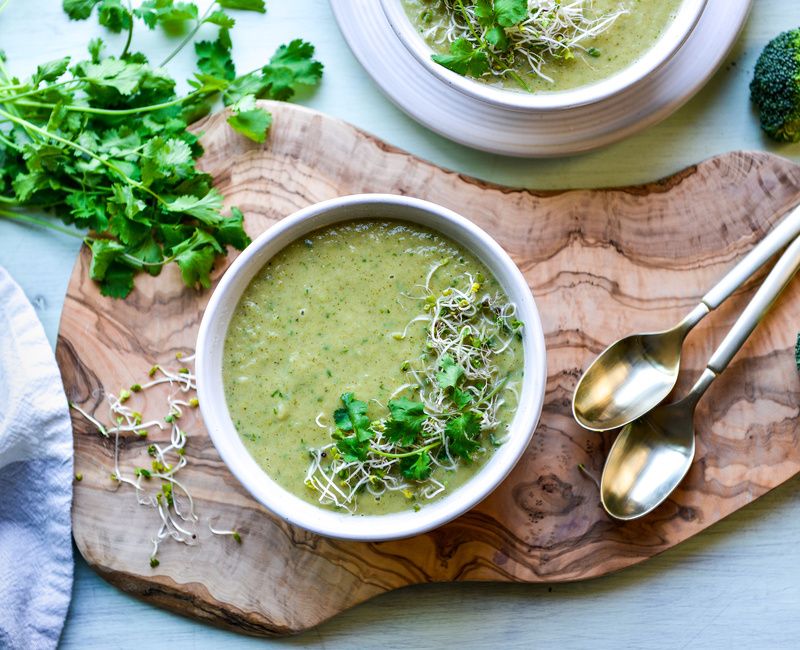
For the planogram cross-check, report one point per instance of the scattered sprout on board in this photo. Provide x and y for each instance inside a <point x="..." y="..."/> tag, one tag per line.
<point x="582" y="469"/>
<point x="442" y="417"/>
<point x="497" y="37"/>
<point x="157" y="485"/>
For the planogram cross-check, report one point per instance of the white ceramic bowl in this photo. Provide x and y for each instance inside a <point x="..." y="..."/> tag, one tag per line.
<point x="686" y="17"/>
<point x="214" y="326"/>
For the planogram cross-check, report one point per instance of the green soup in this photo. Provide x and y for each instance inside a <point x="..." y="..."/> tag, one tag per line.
<point x="333" y="315"/>
<point x="622" y="44"/>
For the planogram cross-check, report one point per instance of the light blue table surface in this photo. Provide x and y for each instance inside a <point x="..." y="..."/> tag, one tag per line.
<point x="736" y="585"/>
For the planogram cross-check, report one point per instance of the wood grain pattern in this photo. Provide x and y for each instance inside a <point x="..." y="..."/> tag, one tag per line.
<point x="600" y="264"/>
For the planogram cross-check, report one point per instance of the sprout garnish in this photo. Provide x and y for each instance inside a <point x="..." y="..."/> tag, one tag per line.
<point x="439" y="419"/>
<point x="498" y="38"/>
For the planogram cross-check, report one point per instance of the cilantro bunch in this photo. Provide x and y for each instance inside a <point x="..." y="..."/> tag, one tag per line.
<point x="103" y="143"/>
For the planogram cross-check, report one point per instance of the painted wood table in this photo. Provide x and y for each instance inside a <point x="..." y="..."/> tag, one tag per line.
<point x="734" y="585"/>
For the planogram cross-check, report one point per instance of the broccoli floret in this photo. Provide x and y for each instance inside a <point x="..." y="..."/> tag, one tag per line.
<point x="775" y="88"/>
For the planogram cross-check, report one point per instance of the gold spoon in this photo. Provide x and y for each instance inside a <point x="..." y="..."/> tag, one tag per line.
<point x="635" y="374"/>
<point x="652" y="454"/>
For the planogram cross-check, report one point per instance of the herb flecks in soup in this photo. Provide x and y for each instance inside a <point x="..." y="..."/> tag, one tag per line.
<point x="540" y="45"/>
<point x="372" y="366"/>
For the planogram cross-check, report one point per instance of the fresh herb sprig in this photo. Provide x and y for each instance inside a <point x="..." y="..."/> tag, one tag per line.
<point x="103" y="143"/>
<point x="458" y="388"/>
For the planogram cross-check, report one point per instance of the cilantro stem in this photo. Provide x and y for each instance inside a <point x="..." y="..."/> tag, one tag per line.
<point x="189" y="36"/>
<point x="415" y="452"/>
<point x="4" y="72"/>
<point x="9" y="143"/>
<point x="37" y="91"/>
<point x="132" y="258"/>
<point x="515" y="76"/>
<point x="138" y="260"/>
<point x="130" y="32"/>
<point x="38" y="222"/>
<point x="468" y="21"/>
<point x="495" y="390"/>
<point x="48" y="134"/>
<point x="114" y="111"/>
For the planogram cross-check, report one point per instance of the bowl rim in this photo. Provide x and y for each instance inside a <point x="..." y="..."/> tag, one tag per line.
<point x="265" y="490"/>
<point x="678" y="31"/>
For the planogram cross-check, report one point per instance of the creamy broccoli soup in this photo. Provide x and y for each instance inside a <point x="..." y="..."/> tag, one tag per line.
<point x="547" y="46"/>
<point x="372" y="366"/>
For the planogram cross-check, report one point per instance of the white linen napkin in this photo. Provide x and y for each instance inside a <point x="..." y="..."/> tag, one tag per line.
<point x="35" y="480"/>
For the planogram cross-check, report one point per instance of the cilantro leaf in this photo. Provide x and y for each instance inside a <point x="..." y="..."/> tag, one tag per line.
<point x="462" y="433"/>
<point x="214" y="58"/>
<point x="353" y="417"/>
<point x="290" y="66"/>
<point x="450" y="372"/>
<point x="50" y="71"/>
<point x="416" y="468"/>
<point x="150" y="254"/>
<point x="196" y="264"/>
<point x="120" y="75"/>
<point x="104" y="252"/>
<point x="464" y="58"/>
<point x="406" y="422"/>
<point x="205" y="209"/>
<point x="221" y="19"/>
<point x="249" y="119"/>
<point x="484" y="12"/>
<point x="87" y="211"/>
<point x="353" y="449"/>
<point x="171" y="158"/>
<point x="199" y="238"/>
<point x="496" y="36"/>
<point x="461" y="398"/>
<point x="510" y="12"/>
<point x="95" y="48"/>
<point x="79" y="9"/>
<point x="113" y="15"/>
<point x="231" y="232"/>
<point x="169" y="14"/>
<point x="245" y="5"/>
<point x="118" y="282"/>
<point x="195" y="258"/>
<point x="150" y="10"/>
<point x="252" y="83"/>
<point x="123" y="201"/>
<point x="26" y="185"/>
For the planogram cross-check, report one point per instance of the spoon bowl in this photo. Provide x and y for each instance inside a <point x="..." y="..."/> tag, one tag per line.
<point x="648" y="460"/>
<point x="631" y="377"/>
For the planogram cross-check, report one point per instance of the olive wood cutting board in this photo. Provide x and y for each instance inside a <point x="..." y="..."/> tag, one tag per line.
<point x="601" y="263"/>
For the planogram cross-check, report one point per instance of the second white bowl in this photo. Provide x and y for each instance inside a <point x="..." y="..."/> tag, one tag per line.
<point x="676" y="33"/>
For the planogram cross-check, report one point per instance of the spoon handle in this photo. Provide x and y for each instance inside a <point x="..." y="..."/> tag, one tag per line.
<point x="765" y="297"/>
<point x="779" y="237"/>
